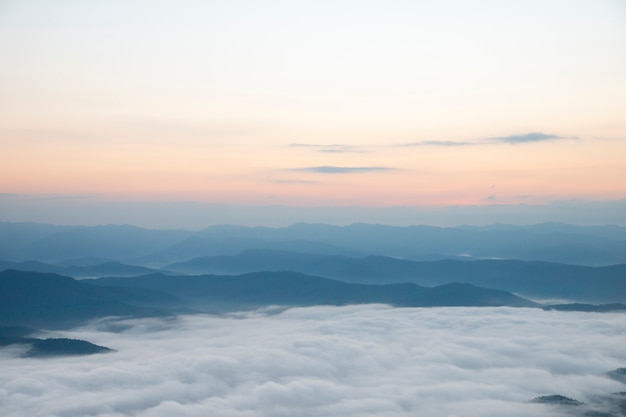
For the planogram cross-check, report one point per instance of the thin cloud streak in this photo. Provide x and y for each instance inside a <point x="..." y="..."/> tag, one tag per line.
<point x="530" y="138"/>
<point x="329" y="169"/>
<point x="533" y="137"/>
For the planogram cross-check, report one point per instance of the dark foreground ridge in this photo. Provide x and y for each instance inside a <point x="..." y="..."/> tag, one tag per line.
<point x="618" y="375"/>
<point x="54" y="301"/>
<point x="63" y="347"/>
<point x="17" y="335"/>
<point x="556" y="399"/>
<point x="595" y="308"/>
<point x="291" y="288"/>
<point x="609" y="405"/>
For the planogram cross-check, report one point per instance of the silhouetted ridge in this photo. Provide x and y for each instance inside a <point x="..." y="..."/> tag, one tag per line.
<point x="532" y="279"/>
<point x="44" y="300"/>
<point x="557" y="400"/>
<point x="291" y="288"/>
<point x="62" y="347"/>
<point x="618" y="374"/>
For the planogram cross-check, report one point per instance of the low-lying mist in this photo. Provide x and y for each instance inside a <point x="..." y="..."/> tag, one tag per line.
<point x="368" y="360"/>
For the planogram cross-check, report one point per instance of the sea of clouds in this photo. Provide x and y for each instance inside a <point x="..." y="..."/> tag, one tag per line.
<point x="369" y="360"/>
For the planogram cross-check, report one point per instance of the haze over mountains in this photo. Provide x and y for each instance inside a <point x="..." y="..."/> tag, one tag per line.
<point x="550" y="242"/>
<point x="515" y="259"/>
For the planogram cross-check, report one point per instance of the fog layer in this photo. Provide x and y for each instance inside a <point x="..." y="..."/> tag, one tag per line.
<point x="325" y="361"/>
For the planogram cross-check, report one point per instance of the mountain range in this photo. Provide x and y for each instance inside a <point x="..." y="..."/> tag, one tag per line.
<point x="52" y="301"/>
<point x="532" y="279"/>
<point x="139" y="272"/>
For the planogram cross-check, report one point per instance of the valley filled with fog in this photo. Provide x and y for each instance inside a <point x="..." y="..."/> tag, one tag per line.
<point x="367" y="360"/>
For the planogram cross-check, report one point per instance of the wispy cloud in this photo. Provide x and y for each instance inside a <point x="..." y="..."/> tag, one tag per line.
<point x="511" y="139"/>
<point x="529" y="138"/>
<point x="329" y="169"/>
<point x="8" y="195"/>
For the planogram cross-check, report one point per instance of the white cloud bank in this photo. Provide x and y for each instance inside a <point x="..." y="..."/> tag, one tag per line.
<point x="326" y="361"/>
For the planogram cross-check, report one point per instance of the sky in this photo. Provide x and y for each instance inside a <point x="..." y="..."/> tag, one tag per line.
<point x="194" y="113"/>
<point x="348" y="361"/>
